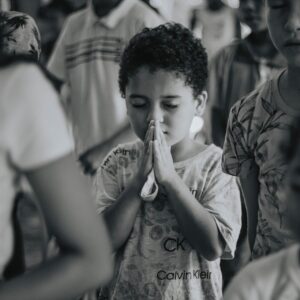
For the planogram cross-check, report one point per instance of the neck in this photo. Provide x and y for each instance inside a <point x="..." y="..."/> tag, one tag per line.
<point x="260" y="37"/>
<point x="292" y="78"/>
<point x="103" y="10"/>
<point x="261" y="44"/>
<point x="289" y="87"/>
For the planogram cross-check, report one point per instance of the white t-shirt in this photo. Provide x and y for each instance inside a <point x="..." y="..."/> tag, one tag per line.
<point x="87" y="57"/>
<point x="157" y="262"/>
<point x="275" y="277"/>
<point x="32" y="133"/>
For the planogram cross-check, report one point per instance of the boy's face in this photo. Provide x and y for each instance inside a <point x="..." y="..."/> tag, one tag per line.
<point x="162" y="96"/>
<point x="254" y="14"/>
<point x="292" y="193"/>
<point x="284" y="27"/>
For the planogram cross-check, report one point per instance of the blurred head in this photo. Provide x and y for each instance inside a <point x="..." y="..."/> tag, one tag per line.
<point x="254" y="14"/>
<point x="104" y="7"/>
<point x="162" y="75"/>
<point x="291" y="187"/>
<point x="284" y="28"/>
<point x="19" y="34"/>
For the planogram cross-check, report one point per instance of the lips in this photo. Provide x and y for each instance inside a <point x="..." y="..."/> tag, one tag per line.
<point x="292" y="43"/>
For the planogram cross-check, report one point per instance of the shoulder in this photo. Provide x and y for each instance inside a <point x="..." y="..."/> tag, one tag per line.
<point x="226" y="55"/>
<point x="208" y="160"/>
<point x="248" y="103"/>
<point x="124" y="154"/>
<point x="28" y="77"/>
<point x="76" y="19"/>
<point x="144" y="13"/>
<point x="230" y="48"/>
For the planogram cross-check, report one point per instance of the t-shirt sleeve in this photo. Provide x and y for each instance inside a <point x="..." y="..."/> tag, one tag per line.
<point x="238" y="152"/>
<point x="57" y="62"/>
<point x="37" y="129"/>
<point x="221" y="197"/>
<point x="106" y="183"/>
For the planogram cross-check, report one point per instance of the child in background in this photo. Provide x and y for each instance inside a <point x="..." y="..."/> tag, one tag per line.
<point x="277" y="277"/>
<point x="257" y="123"/>
<point x="168" y="246"/>
<point x="234" y="72"/>
<point x="239" y="68"/>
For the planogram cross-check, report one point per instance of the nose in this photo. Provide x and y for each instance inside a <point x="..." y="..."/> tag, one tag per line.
<point x="293" y="19"/>
<point x="155" y="113"/>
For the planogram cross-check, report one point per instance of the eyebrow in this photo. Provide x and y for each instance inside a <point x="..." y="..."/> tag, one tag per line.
<point x="133" y="96"/>
<point x="166" y="97"/>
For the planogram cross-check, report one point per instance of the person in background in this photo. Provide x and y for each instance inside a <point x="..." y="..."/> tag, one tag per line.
<point x="85" y="59"/>
<point x="170" y="210"/>
<point x="19" y="34"/>
<point x="216" y="24"/>
<point x="239" y="68"/>
<point x="236" y="70"/>
<point x="278" y="275"/>
<point x="35" y="142"/>
<point x="257" y="124"/>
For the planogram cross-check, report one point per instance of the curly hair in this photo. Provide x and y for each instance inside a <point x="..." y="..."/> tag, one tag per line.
<point x="170" y="47"/>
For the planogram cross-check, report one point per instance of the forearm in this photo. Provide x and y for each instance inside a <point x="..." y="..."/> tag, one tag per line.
<point x="250" y="188"/>
<point x="121" y="216"/>
<point x="59" y="279"/>
<point x="197" y="224"/>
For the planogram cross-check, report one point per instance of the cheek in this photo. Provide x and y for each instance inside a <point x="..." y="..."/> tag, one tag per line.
<point x="181" y="120"/>
<point x="276" y="29"/>
<point x="138" y="123"/>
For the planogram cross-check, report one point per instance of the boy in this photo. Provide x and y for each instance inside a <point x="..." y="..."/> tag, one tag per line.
<point x="277" y="276"/>
<point x="257" y="123"/>
<point x="86" y="59"/>
<point x="239" y="68"/>
<point x="168" y="247"/>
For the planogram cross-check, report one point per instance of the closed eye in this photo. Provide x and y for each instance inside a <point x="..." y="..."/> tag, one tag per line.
<point x="137" y="105"/>
<point x="170" y="105"/>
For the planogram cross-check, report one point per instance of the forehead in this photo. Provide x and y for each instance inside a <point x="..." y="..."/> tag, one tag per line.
<point x="158" y="83"/>
<point x="144" y="78"/>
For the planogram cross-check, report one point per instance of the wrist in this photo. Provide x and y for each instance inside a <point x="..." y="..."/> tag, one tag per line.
<point x="171" y="181"/>
<point x="137" y="184"/>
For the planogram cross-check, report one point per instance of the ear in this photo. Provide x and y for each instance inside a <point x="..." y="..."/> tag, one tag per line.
<point x="201" y="103"/>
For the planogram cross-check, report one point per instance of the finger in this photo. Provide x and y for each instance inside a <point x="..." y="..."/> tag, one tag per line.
<point x="157" y="130"/>
<point x="149" y="137"/>
<point x="149" y="158"/>
<point x="146" y="138"/>
<point x="156" y="151"/>
<point x="156" y="156"/>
